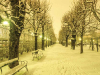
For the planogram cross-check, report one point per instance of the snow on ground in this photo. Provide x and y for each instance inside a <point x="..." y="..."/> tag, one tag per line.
<point x="60" y="60"/>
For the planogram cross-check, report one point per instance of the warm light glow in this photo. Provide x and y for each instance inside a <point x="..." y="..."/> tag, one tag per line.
<point x="47" y="39"/>
<point x="80" y="39"/>
<point x="44" y="37"/>
<point x="93" y="40"/>
<point x="40" y="36"/>
<point x="5" y="23"/>
<point x="32" y="34"/>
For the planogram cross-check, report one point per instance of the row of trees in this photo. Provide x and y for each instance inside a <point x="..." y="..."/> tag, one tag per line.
<point x="22" y="15"/>
<point x="82" y="19"/>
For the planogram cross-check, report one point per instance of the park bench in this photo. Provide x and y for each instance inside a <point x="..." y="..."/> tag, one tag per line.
<point x="3" y="48"/>
<point x="37" y="54"/>
<point x="16" y="68"/>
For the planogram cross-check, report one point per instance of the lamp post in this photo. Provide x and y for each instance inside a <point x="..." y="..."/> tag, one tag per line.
<point x="5" y="23"/>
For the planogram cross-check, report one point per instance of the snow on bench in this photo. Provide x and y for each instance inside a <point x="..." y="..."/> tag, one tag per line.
<point x="7" y="62"/>
<point x="37" y="54"/>
<point x="15" y="69"/>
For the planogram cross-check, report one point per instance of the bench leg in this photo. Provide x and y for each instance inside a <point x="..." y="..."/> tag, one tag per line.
<point x="26" y="68"/>
<point x="33" y="58"/>
<point x="38" y="57"/>
<point x="41" y="56"/>
<point x="1" y="70"/>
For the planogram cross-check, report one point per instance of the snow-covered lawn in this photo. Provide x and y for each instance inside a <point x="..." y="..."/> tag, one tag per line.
<point x="60" y="60"/>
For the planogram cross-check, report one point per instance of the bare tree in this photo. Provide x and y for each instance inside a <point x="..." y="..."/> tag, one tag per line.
<point x="16" y="27"/>
<point x="39" y="11"/>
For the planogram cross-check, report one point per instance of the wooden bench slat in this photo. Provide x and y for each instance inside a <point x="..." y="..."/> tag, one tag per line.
<point x="40" y="53"/>
<point x="16" y="69"/>
<point x="7" y="62"/>
<point x="35" y="51"/>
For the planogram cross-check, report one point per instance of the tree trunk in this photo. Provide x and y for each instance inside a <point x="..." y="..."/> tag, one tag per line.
<point x="82" y="37"/>
<point x="13" y="47"/>
<point x="51" y="42"/>
<point x="14" y="36"/>
<point x="81" y="43"/>
<point x="66" y="41"/>
<point x="71" y="44"/>
<point x="82" y="33"/>
<point x="43" y="37"/>
<point x="15" y="31"/>
<point x="92" y="44"/>
<point x="97" y="44"/>
<point x="48" y="43"/>
<point x="73" y="41"/>
<point x="36" y="41"/>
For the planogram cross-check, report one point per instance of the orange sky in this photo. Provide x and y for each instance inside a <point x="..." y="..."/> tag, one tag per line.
<point x="58" y="8"/>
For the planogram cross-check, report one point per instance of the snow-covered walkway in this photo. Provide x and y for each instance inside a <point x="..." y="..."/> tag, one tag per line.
<point x="60" y="60"/>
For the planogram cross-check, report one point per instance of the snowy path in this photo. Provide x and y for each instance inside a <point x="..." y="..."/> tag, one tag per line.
<point x="60" y="60"/>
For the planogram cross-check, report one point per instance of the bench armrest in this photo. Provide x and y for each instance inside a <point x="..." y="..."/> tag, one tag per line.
<point x="25" y="62"/>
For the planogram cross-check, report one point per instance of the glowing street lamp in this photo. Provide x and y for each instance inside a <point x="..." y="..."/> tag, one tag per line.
<point x="32" y="34"/>
<point x="5" y="23"/>
<point x="45" y="38"/>
<point x="80" y="39"/>
<point x="40" y="36"/>
<point x="69" y="40"/>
